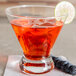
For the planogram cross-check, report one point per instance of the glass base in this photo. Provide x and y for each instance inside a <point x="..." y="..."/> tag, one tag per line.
<point x="35" y="66"/>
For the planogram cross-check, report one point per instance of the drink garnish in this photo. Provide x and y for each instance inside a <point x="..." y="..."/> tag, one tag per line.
<point x="65" y="12"/>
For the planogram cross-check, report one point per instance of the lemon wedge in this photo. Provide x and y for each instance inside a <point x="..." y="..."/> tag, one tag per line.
<point x="65" y="12"/>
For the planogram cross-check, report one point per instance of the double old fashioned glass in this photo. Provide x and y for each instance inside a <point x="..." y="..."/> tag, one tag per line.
<point x="36" y="29"/>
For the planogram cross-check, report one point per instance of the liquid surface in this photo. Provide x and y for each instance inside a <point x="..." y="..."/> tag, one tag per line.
<point x="36" y="37"/>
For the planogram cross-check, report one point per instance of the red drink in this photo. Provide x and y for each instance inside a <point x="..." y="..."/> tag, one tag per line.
<point x="36" y="39"/>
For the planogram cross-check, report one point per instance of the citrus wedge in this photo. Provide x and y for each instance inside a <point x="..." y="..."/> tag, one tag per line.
<point x="65" y="12"/>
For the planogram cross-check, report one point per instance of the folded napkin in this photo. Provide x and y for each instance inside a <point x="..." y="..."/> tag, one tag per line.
<point x="12" y="69"/>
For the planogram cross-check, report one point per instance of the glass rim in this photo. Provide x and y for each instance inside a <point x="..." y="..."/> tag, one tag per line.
<point x="30" y="17"/>
<point x="26" y="17"/>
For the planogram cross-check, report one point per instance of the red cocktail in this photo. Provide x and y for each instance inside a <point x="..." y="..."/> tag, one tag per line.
<point x="36" y="39"/>
<point x="36" y="29"/>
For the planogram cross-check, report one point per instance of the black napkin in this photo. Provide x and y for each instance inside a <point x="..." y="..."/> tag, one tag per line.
<point x="64" y="65"/>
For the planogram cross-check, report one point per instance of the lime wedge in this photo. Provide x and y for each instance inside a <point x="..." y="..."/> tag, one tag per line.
<point x="65" y="12"/>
